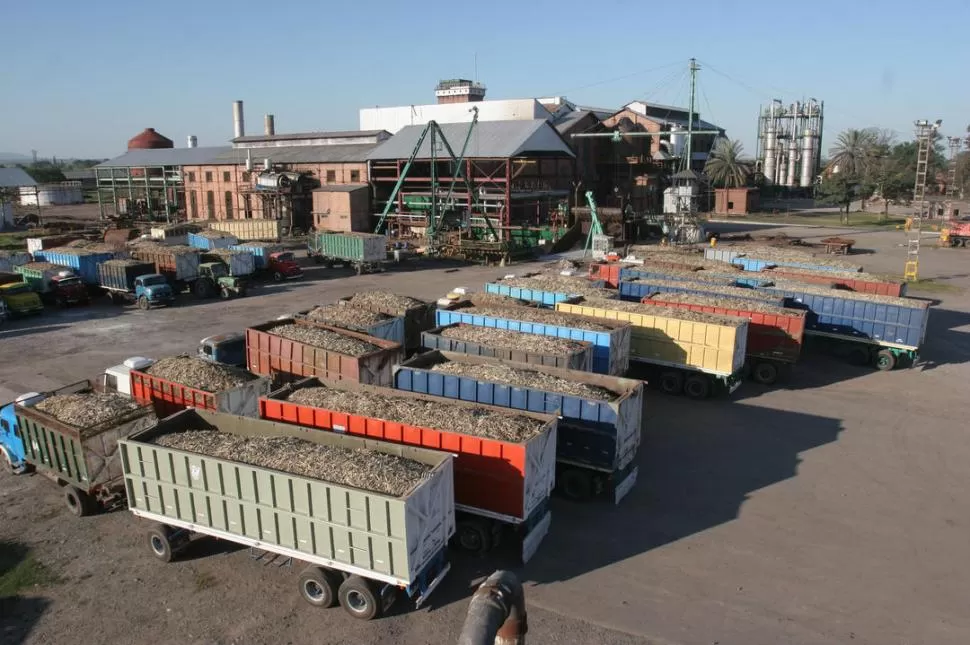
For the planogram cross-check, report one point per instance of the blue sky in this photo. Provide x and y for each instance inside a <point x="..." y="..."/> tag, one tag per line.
<point x="79" y="79"/>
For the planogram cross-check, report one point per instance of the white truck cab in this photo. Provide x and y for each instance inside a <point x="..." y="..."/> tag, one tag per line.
<point x="118" y="378"/>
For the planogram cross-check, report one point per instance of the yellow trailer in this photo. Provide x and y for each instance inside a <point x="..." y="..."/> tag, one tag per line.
<point x="690" y="352"/>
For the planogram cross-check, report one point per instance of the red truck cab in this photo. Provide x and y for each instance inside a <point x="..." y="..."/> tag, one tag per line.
<point x="68" y="289"/>
<point x="283" y="266"/>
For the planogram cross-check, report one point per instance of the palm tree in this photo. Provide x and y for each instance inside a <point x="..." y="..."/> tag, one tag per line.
<point x="724" y="165"/>
<point x="852" y="152"/>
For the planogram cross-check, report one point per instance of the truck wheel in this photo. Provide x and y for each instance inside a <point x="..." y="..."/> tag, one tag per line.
<point x="672" y="383"/>
<point x="78" y="502"/>
<point x="161" y="543"/>
<point x="203" y="289"/>
<point x="317" y="259"/>
<point x="576" y="484"/>
<point x="143" y="303"/>
<point x="885" y="360"/>
<point x="697" y="387"/>
<point x="765" y="373"/>
<point x="474" y="535"/>
<point x="319" y="586"/>
<point x="858" y="356"/>
<point x="277" y="276"/>
<point x="358" y="599"/>
<point x="224" y="293"/>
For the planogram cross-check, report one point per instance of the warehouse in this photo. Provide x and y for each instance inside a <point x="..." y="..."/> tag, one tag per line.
<point x="519" y="173"/>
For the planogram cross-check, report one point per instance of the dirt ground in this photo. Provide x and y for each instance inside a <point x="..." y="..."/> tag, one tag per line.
<point x="832" y="509"/>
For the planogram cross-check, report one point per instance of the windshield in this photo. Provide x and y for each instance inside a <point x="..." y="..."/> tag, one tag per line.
<point x="284" y="257"/>
<point x="154" y="280"/>
<point x="69" y="282"/>
<point x="16" y="289"/>
<point x="218" y="270"/>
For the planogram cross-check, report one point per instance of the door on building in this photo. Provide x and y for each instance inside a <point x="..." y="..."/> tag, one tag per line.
<point x="210" y="204"/>
<point x="228" y="204"/>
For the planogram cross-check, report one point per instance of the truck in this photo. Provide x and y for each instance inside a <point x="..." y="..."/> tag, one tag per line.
<point x="541" y="291"/>
<point x="640" y="288"/>
<point x="579" y="359"/>
<point x="271" y="260"/>
<point x="867" y="329"/>
<point x="80" y="459"/>
<point x="726" y="277"/>
<point x="362" y="548"/>
<point x="208" y="240"/>
<point x="498" y="483"/>
<point x="55" y="284"/>
<point x="365" y="252"/>
<point x="272" y="355"/>
<point x="239" y="263"/>
<point x="597" y="438"/>
<point x="683" y="352"/>
<point x="169" y="397"/>
<point x="956" y="234"/>
<point x="860" y="282"/>
<point x="216" y="279"/>
<point x="388" y="327"/>
<point x="11" y="443"/>
<point x="775" y="334"/>
<point x="611" y="340"/>
<point x="20" y="299"/>
<point x="419" y="316"/>
<point x="84" y="262"/>
<point x="227" y="349"/>
<point x="182" y="267"/>
<point x="758" y="259"/>
<point x="133" y="281"/>
<point x="118" y="377"/>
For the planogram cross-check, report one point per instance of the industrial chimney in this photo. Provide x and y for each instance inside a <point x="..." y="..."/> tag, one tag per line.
<point x="193" y="141"/>
<point x="269" y="125"/>
<point x="238" y="123"/>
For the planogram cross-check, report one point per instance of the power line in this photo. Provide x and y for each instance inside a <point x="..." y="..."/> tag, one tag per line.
<point x="616" y="78"/>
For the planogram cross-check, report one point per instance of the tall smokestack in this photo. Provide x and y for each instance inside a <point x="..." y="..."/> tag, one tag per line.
<point x="192" y="142"/>
<point x="238" y="124"/>
<point x="269" y="125"/>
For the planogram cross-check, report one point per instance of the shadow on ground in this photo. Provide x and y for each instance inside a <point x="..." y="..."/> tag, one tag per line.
<point x="945" y="344"/>
<point x="19" y="613"/>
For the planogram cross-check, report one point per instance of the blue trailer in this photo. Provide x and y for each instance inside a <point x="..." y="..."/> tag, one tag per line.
<point x="598" y="439"/>
<point x="636" y="291"/>
<point x="578" y="359"/>
<point x="209" y="240"/>
<point x="611" y="348"/>
<point x="872" y="329"/>
<point x="260" y="250"/>
<point x="543" y="297"/>
<point x="85" y="263"/>
<point x="754" y="262"/>
<point x="711" y="277"/>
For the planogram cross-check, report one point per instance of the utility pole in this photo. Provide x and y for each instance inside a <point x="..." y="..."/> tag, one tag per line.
<point x="955" y="143"/>
<point x="693" y="67"/>
<point x="924" y="139"/>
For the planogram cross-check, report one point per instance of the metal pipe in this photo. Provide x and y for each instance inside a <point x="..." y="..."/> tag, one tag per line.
<point x="496" y="614"/>
<point x="269" y="125"/>
<point x="238" y="122"/>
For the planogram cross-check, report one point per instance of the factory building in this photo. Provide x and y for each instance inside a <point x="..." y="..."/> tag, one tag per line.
<point x="520" y="176"/>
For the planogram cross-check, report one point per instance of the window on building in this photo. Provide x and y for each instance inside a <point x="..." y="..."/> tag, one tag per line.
<point x="191" y="175"/>
<point x="331" y="176"/>
<point x="730" y="206"/>
<point x="245" y="176"/>
<point x="354" y="176"/>
<point x="210" y="204"/>
<point x="193" y="205"/>
<point x="248" y="206"/>
<point x="226" y="176"/>
<point x="208" y="175"/>
<point x="228" y="203"/>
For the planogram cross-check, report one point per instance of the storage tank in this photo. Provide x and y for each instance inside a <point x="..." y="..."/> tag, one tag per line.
<point x="792" y="178"/>
<point x="193" y="141"/>
<point x="808" y="159"/>
<point x="677" y="139"/>
<point x="149" y="139"/>
<point x="770" y="147"/>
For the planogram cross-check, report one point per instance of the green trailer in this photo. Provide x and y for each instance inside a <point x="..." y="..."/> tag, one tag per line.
<point x="363" y="251"/>
<point x="82" y="460"/>
<point x="362" y="546"/>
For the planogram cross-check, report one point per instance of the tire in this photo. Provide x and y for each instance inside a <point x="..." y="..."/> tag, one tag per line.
<point x="160" y="543"/>
<point x="697" y="387"/>
<point x="765" y="373"/>
<point x="474" y="536"/>
<point x="319" y="586"/>
<point x="858" y="356"/>
<point x="278" y="277"/>
<point x="317" y="259"/>
<point x="78" y="502"/>
<point x="203" y="289"/>
<point x="358" y="598"/>
<point x="885" y="360"/>
<point x="224" y="293"/>
<point x="143" y="303"/>
<point x="672" y="383"/>
<point x="576" y="484"/>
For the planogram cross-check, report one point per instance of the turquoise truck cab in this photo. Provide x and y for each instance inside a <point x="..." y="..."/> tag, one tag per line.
<point x="11" y="443"/>
<point x="155" y="289"/>
<point x="228" y="349"/>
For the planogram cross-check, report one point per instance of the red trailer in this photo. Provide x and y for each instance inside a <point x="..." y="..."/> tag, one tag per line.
<point x="271" y="355"/>
<point x="861" y="282"/>
<point x="496" y="482"/>
<point x="775" y="334"/>
<point x="169" y="397"/>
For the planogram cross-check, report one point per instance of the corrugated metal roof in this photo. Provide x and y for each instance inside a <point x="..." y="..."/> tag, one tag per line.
<point x="296" y="154"/>
<point x="14" y="177"/>
<point x="570" y="120"/>
<point x="490" y="139"/>
<point x="165" y="157"/>
<point x="339" y="134"/>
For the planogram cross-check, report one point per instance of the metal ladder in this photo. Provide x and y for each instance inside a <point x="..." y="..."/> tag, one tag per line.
<point x="911" y="271"/>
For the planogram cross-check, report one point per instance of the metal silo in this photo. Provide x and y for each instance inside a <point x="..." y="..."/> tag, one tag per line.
<point x="791" y="179"/>
<point x="770" y="153"/>
<point x="808" y="159"/>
